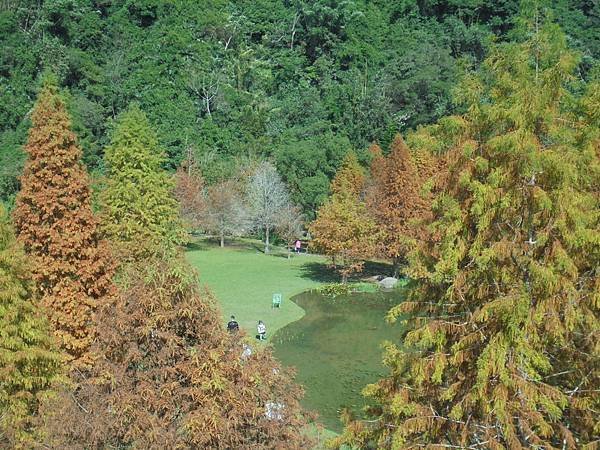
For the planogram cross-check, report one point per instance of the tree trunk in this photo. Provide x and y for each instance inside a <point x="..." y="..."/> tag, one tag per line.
<point x="266" y="239"/>
<point x="395" y="267"/>
<point x="222" y="239"/>
<point x="398" y="262"/>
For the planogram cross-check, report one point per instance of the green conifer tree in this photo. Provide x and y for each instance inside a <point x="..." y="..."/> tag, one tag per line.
<point x="503" y="343"/>
<point x="29" y="364"/>
<point x="139" y="212"/>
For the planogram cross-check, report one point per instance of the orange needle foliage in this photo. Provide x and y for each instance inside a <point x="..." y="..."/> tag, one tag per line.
<point x="343" y="229"/>
<point x="55" y="223"/>
<point x="171" y="377"/>
<point x="396" y="200"/>
<point x="189" y="192"/>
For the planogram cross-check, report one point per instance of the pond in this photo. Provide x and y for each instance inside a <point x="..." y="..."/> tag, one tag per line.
<point x="336" y="349"/>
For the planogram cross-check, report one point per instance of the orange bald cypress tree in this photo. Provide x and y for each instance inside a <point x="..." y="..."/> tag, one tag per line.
<point x="343" y="230"/>
<point x="373" y="184"/>
<point x="397" y="201"/>
<point x="172" y="377"/>
<point x="189" y="192"/>
<point x="54" y="221"/>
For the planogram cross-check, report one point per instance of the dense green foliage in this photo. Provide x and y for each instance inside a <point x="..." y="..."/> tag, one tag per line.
<point x="302" y="81"/>
<point x="30" y="365"/>
<point x="503" y="321"/>
<point x="139" y="213"/>
<point x="504" y="325"/>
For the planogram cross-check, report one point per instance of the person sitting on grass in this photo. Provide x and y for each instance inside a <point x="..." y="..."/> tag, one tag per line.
<point x="232" y="325"/>
<point x="262" y="330"/>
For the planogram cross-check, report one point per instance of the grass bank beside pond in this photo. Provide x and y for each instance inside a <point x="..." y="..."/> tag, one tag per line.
<point x="244" y="280"/>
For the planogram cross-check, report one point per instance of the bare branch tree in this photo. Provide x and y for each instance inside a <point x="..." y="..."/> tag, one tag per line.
<point x="293" y="30"/>
<point x="289" y="225"/>
<point x="267" y="197"/>
<point x="206" y="87"/>
<point x="225" y="213"/>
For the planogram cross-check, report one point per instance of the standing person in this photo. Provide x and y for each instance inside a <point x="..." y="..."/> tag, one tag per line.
<point x="262" y="330"/>
<point x="297" y="246"/>
<point x="232" y="325"/>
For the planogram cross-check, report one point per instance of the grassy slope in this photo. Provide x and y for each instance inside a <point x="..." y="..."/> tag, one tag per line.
<point x="244" y="280"/>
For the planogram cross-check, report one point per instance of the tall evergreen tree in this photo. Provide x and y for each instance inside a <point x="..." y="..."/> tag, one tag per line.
<point x="503" y="338"/>
<point x="343" y="229"/>
<point x="139" y="211"/>
<point x="54" y="221"/>
<point x="398" y="202"/>
<point x="30" y="366"/>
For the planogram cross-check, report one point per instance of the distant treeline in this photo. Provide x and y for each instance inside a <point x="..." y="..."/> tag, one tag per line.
<point x="301" y="82"/>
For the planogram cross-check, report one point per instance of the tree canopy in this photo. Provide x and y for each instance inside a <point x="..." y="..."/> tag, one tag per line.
<point x="171" y="376"/>
<point x="343" y="230"/>
<point x="30" y="364"/>
<point x="398" y="201"/>
<point x="72" y="265"/>
<point x="304" y="82"/>
<point x="139" y="210"/>
<point x="503" y="326"/>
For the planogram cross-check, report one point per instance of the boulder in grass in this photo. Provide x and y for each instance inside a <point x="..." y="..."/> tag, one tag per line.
<point x="388" y="282"/>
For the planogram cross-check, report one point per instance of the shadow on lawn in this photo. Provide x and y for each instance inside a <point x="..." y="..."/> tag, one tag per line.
<point x="319" y="271"/>
<point x="372" y="268"/>
<point x="198" y="245"/>
<point x="322" y="272"/>
<point x="204" y="243"/>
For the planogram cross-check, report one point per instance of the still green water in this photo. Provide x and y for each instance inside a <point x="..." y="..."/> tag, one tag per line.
<point x="336" y="349"/>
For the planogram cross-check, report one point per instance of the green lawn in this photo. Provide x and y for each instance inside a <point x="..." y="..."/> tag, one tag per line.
<point x="244" y="280"/>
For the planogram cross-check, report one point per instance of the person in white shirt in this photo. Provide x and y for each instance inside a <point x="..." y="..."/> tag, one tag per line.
<point x="262" y="330"/>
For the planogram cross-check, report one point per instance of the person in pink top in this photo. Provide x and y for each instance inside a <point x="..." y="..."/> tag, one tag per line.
<point x="297" y="246"/>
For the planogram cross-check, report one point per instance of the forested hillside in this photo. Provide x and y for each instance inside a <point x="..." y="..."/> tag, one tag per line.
<point x="299" y="81"/>
<point x="452" y="143"/>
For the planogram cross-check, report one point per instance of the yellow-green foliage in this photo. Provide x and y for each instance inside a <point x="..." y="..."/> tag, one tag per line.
<point x="139" y="212"/>
<point x="504" y="325"/>
<point x="29" y="365"/>
<point x="343" y="229"/>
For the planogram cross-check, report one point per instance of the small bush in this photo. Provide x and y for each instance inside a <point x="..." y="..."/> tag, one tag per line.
<point x="335" y="289"/>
